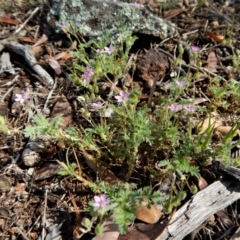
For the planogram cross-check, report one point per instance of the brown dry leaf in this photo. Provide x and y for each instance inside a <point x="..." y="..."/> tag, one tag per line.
<point x="141" y="231"/>
<point x="9" y="21"/>
<point x="37" y="50"/>
<point x="199" y="100"/>
<point x="110" y="231"/>
<point x="47" y="170"/>
<point x="212" y="62"/>
<point x="73" y="46"/>
<point x="202" y="183"/>
<point x="28" y="39"/>
<point x="42" y="40"/>
<point x="209" y="122"/>
<point x="62" y="108"/>
<point x="149" y="215"/>
<point x="62" y="55"/>
<point x="108" y="176"/>
<point x="172" y="13"/>
<point x="224" y="130"/>
<point x="55" y="65"/>
<point x="216" y="38"/>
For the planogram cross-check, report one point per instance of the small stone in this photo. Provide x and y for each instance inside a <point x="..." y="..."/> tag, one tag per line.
<point x="5" y="184"/>
<point x="214" y="24"/>
<point x="30" y="158"/>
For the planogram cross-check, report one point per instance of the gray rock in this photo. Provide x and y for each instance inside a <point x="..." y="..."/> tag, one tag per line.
<point x="96" y="17"/>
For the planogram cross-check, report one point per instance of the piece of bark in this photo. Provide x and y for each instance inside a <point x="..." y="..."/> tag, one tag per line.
<point x="205" y="203"/>
<point x="13" y="45"/>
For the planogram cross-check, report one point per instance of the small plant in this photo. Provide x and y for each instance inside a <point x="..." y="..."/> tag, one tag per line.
<point x="120" y="202"/>
<point x="42" y="125"/>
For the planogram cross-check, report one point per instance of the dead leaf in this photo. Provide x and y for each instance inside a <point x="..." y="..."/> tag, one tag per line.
<point x="224" y="130"/>
<point x="149" y="215"/>
<point x="37" y="50"/>
<point x="55" y="65"/>
<point x="108" y="176"/>
<point x="202" y="183"/>
<point x="9" y="21"/>
<point x="47" y="170"/>
<point x="63" y="56"/>
<point x="172" y="13"/>
<point x="141" y="231"/>
<point x="62" y="108"/>
<point x="28" y="39"/>
<point x="216" y="38"/>
<point x="73" y="46"/>
<point x="212" y="62"/>
<point x="209" y="122"/>
<point x="110" y="231"/>
<point x="42" y="40"/>
<point x="199" y="100"/>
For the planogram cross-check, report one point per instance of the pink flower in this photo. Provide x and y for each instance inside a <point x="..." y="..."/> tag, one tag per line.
<point x="97" y="104"/>
<point x="123" y="96"/>
<point x="100" y="51"/>
<point x="175" y="107"/>
<point x="87" y="75"/>
<point x="22" y="97"/>
<point x="109" y="49"/>
<point x="100" y="201"/>
<point x="190" y="108"/>
<point x="195" y="48"/>
<point x="180" y="83"/>
<point x="138" y="5"/>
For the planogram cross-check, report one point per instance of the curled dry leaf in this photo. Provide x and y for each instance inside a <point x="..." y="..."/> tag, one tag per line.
<point x="212" y="62"/>
<point x="73" y="46"/>
<point x="62" y="108"/>
<point x="55" y="65"/>
<point x="216" y="38"/>
<point x="199" y="100"/>
<point x="108" y="176"/>
<point x="202" y="183"/>
<point x="224" y="130"/>
<point x="42" y="40"/>
<point x="62" y="55"/>
<point x="172" y="13"/>
<point x="149" y="215"/>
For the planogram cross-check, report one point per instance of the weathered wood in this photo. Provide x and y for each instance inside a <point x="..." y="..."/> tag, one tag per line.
<point x="25" y="52"/>
<point x="210" y="200"/>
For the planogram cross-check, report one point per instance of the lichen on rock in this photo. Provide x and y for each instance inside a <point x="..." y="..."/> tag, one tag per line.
<point x="95" y="18"/>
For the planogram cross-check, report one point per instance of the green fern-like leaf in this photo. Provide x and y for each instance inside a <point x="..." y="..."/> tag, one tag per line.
<point x="42" y="125"/>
